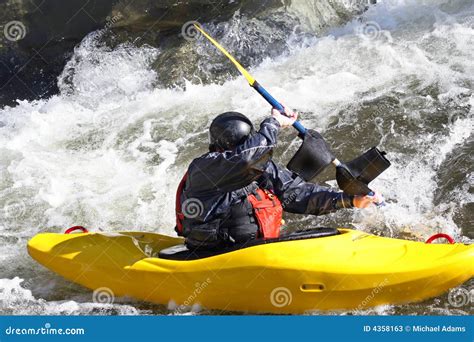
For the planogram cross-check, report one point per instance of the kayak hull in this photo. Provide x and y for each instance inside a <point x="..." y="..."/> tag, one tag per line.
<point x="352" y="270"/>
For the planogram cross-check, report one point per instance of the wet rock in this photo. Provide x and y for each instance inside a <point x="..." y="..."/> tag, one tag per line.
<point x="39" y="36"/>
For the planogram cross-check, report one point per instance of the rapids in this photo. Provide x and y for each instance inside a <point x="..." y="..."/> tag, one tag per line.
<point x="108" y="151"/>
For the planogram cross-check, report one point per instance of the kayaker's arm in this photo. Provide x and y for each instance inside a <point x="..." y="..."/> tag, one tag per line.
<point x="230" y="170"/>
<point x="300" y="197"/>
<point x="256" y="150"/>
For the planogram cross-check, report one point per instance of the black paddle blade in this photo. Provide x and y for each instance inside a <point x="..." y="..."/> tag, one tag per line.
<point x="349" y="183"/>
<point x="369" y="165"/>
<point x="313" y="156"/>
<point x="353" y="177"/>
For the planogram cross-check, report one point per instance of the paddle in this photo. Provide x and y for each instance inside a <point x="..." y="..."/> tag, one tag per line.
<point x="344" y="176"/>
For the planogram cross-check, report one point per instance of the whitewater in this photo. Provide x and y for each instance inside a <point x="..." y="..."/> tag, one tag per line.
<point x="108" y="151"/>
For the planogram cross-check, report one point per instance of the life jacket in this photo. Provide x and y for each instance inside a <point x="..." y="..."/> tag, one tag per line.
<point x="266" y="208"/>
<point x="268" y="211"/>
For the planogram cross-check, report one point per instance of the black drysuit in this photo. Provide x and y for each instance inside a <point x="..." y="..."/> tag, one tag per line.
<point x="214" y="202"/>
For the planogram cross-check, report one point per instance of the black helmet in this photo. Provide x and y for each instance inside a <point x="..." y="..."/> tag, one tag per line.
<point x="229" y="130"/>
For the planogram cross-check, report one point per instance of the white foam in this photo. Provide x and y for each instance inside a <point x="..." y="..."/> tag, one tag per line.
<point x="16" y="300"/>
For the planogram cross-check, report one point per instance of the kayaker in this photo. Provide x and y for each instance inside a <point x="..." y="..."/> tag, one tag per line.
<point x="236" y="192"/>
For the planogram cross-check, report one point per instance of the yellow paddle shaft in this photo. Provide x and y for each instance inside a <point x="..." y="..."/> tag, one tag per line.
<point x="244" y="72"/>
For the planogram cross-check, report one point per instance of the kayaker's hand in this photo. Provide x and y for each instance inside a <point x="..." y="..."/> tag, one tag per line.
<point x="365" y="201"/>
<point x="287" y="119"/>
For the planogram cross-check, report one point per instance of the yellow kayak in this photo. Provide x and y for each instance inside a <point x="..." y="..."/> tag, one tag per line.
<point x="345" y="269"/>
